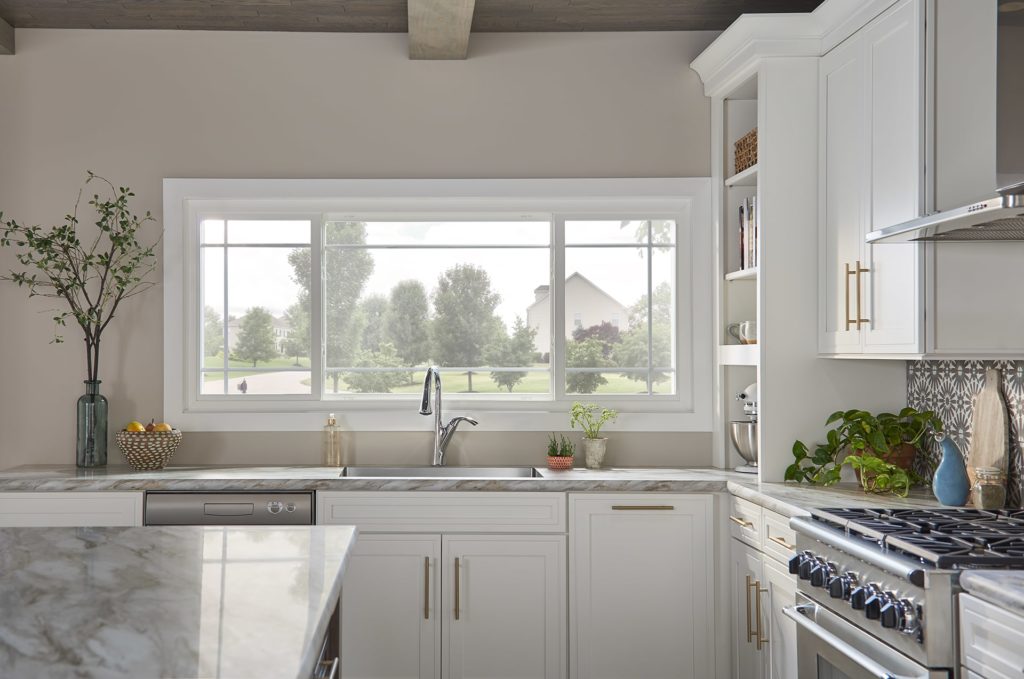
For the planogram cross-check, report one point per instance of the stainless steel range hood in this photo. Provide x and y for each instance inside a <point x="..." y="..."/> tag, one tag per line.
<point x="1000" y="218"/>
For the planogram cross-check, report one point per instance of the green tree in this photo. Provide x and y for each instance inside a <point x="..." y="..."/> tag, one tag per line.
<point x="464" y="324"/>
<point x="377" y="382"/>
<point x="213" y="332"/>
<point x="512" y="352"/>
<point x="346" y="271"/>
<point x="408" y="323"/>
<point x="256" y="341"/>
<point x="632" y="351"/>
<point x="588" y="353"/>
<point x="374" y="309"/>
<point x="604" y="331"/>
<point x="297" y="342"/>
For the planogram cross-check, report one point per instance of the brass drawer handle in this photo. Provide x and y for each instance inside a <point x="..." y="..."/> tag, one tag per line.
<point x="860" y="270"/>
<point x="741" y="523"/>
<point x="750" y="627"/>
<point x="426" y="588"/>
<point x="846" y="316"/>
<point x="782" y="543"/>
<point x="456" y="588"/>
<point x="761" y="640"/>
<point x="645" y="508"/>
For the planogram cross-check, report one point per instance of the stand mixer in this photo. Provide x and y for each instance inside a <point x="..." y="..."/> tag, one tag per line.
<point x="744" y="433"/>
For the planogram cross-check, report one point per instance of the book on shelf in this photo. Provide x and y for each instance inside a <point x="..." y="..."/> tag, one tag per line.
<point x="748" y="233"/>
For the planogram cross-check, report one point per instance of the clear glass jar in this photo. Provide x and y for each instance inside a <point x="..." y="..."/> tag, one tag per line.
<point x="989" y="491"/>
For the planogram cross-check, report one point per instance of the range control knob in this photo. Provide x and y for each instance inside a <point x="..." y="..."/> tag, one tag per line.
<point x="275" y="506"/>
<point x="911" y="623"/>
<point x="794" y="564"/>
<point x="821" y="572"/>
<point x="892" y="613"/>
<point x="859" y="596"/>
<point x="840" y="586"/>
<point x="873" y="605"/>
<point x="806" y="565"/>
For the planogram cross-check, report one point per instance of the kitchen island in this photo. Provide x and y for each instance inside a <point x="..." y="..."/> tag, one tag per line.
<point x="209" y="601"/>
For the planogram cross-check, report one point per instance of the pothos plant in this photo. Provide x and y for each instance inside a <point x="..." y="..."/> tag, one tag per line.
<point x="92" y="275"/>
<point x="866" y="442"/>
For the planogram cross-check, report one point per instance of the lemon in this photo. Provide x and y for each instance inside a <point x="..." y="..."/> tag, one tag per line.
<point x="135" y="426"/>
<point x="162" y="426"/>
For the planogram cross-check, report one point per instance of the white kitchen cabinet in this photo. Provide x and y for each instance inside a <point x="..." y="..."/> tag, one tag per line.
<point x="72" y="508"/>
<point x="391" y="622"/>
<point x="403" y="586"/>
<point x="778" y="591"/>
<point x="991" y="639"/>
<point x="641" y="586"/>
<point x="505" y="613"/>
<point x="745" y="574"/>
<point x="871" y="153"/>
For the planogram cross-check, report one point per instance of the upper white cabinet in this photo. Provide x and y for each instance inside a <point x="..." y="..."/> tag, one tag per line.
<point x="871" y="131"/>
<point x="642" y="588"/>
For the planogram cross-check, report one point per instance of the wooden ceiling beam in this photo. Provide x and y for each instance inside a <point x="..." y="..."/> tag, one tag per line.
<point x="439" y="29"/>
<point x="6" y="38"/>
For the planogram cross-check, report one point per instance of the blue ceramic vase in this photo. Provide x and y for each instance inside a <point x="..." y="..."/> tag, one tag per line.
<point x="950" y="484"/>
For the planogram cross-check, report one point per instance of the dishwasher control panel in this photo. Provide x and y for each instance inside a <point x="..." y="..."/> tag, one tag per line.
<point x="269" y="508"/>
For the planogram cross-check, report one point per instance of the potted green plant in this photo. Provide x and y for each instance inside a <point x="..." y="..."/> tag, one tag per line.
<point x="881" y="449"/>
<point x="590" y="417"/>
<point x="561" y="452"/>
<point x="91" y="273"/>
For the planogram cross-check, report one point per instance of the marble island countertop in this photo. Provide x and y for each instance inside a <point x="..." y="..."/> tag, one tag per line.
<point x="168" y="601"/>
<point x="1000" y="588"/>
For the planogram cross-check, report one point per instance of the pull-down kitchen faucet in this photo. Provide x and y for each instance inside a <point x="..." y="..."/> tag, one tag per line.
<point x="442" y="432"/>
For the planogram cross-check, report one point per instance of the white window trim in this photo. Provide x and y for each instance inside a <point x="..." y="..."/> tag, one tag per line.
<point x="688" y="411"/>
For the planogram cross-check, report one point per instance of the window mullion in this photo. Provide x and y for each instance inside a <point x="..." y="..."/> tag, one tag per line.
<point x="557" y="296"/>
<point x="650" y="307"/>
<point x="227" y="349"/>
<point x="318" y="224"/>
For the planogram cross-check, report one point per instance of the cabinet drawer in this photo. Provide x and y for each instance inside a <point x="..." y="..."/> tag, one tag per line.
<point x="73" y="508"/>
<point x="387" y="512"/>
<point x="991" y="639"/>
<point x="778" y="540"/>
<point x="745" y="521"/>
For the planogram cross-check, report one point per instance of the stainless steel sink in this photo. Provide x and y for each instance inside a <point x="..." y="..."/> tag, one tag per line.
<point x="442" y="472"/>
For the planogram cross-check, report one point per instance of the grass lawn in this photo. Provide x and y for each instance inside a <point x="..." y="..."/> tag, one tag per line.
<point x="533" y="383"/>
<point x="238" y="368"/>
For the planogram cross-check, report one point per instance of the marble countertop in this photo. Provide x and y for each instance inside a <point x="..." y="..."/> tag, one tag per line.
<point x="68" y="477"/>
<point x="1000" y="588"/>
<point x="168" y="601"/>
<point x="790" y="499"/>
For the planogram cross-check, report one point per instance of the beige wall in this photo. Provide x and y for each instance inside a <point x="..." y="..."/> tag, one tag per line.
<point x="140" y="106"/>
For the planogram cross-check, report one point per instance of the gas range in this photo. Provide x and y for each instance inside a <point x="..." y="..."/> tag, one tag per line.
<point x="893" y="573"/>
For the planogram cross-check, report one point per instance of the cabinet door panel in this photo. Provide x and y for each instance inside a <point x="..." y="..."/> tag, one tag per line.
<point x="781" y="592"/>
<point x="745" y="571"/>
<point x="894" y="49"/>
<point x="641" y="587"/>
<point x="390" y="622"/>
<point x="511" y="607"/>
<point x="842" y="208"/>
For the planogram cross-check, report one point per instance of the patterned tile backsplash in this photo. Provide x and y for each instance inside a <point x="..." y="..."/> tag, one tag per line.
<point x="948" y="388"/>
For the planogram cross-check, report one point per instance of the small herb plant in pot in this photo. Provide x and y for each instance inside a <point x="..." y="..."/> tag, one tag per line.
<point x="590" y="417"/>
<point x="561" y="452"/>
<point x="880" y="448"/>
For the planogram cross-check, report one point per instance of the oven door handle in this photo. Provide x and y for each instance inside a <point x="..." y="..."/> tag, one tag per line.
<point x="798" y="613"/>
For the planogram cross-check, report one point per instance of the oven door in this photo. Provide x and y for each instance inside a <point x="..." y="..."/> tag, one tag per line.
<point x="828" y="647"/>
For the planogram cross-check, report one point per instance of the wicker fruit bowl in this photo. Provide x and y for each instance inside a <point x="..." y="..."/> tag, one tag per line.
<point x="148" y="449"/>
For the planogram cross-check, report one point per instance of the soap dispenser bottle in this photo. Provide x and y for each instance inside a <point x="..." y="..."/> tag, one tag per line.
<point x="332" y="443"/>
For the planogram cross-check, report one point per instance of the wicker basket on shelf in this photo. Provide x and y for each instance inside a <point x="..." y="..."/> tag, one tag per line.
<point x="746" y="151"/>
<point x="148" y="449"/>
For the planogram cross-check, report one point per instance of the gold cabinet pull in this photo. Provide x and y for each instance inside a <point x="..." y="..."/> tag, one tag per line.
<point x="761" y="640"/>
<point x="782" y="543"/>
<point x="846" y="316"/>
<point x="740" y="522"/>
<point x="456" y="588"/>
<point x="644" y="508"/>
<point x="426" y="588"/>
<point x="859" y="271"/>
<point x="750" y="627"/>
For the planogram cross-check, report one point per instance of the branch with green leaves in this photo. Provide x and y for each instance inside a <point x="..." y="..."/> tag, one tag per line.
<point x="92" y="274"/>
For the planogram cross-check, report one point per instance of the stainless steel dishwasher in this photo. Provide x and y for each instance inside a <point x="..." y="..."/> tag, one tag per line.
<point x="266" y="508"/>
